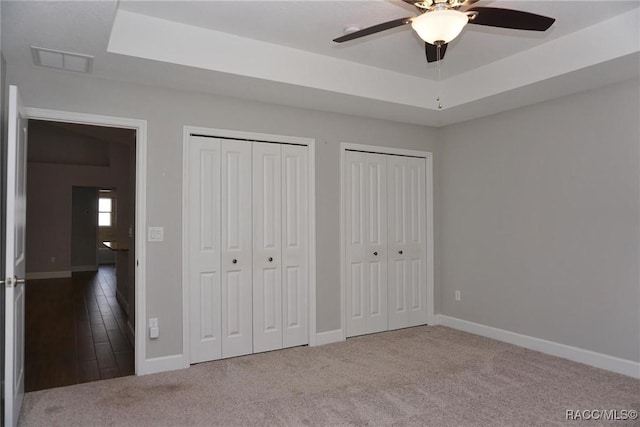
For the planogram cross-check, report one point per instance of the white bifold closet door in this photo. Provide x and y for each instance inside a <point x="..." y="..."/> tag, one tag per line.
<point x="280" y="246"/>
<point x="220" y="249"/>
<point x="248" y="237"/>
<point x="385" y="242"/>
<point x="366" y="229"/>
<point x="407" y="242"/>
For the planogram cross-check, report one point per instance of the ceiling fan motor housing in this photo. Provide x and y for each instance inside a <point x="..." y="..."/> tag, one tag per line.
<point x="439" y="4"/>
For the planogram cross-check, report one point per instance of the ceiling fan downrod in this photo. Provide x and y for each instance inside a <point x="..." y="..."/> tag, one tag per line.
<point x="438" y="47"/>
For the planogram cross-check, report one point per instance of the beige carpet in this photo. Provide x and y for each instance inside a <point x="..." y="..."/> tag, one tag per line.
<point x="432" y="376"/>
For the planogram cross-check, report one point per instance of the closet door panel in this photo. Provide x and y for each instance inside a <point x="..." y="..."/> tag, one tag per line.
<point x="295" y="245"/>
<point x="366" y="211"/>
<point x="357" y="288"/>
<point x="267" y="253"/>
<point x="397" y="210"/>
<point x="376" y="243"/>
<point x="407" y="257"/>
<point x="416" y="242"/>
<point x="203" y="276"/>
<point x="236" y="292"/>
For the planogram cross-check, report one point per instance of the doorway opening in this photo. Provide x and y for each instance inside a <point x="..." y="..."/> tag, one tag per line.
<point x="80" y="253"/>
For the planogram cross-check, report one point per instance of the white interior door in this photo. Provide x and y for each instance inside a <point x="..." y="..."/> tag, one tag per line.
<point x="295" y="245"/>
<point x="204" y="249"/>
<point x="407" y="242"/>
<point x="236" y="268"/>
<point x="15" y="258"/>
<point x="366" y="202"/>
<point x="267" y="247"/>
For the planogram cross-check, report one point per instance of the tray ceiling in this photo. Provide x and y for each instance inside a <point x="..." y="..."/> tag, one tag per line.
<point x="281" y="52"/>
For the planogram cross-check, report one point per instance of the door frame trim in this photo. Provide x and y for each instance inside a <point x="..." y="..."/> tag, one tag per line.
<point x="140" y="126"/>
<point x="428" y="156"/>
<point x="250" y="136"/>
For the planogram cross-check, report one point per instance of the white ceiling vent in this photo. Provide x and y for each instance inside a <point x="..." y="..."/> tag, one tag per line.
<point x="62" y="60"/>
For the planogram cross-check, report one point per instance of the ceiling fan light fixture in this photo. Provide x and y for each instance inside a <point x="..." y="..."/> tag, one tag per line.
<point x="439" y="25"/>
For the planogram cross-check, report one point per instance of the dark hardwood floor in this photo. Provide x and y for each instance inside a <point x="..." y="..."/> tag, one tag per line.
<point x="75" y="331"/>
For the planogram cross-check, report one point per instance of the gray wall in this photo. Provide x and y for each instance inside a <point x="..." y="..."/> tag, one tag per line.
<point x="539" y="220"/>
<point x="166" y="112"/>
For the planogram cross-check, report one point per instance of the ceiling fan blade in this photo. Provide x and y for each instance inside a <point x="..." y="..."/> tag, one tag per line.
<point x="412" y="2"/>
<point x="507" y="18"/>
<point x="374" y="29"/>
<point x="432" y="51"/>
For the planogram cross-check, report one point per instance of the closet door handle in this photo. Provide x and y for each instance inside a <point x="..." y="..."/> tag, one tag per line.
<point x="270" y="259"/>
<point x="235" y="261"/>
<point x="400" y="252"/>
<point x="375" y="254"/>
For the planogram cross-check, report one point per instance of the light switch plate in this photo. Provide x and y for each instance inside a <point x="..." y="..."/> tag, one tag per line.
<point x="154" y="330"/>
<point x="156" y="234"/>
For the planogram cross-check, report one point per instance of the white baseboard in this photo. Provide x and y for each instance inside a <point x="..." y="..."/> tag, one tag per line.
<point x="162" y="364"/>
<point x="48" y="275"/>
<point x="123" y="302"/>
<point x="329" y="337"/>
<point x="588" y="357"/>
<point x="82" y="268"/>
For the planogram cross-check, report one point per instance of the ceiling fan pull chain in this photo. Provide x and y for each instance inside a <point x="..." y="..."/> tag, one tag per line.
<point x="439" y="76"/>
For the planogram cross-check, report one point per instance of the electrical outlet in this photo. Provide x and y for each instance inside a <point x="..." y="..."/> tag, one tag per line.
<point x="52" y="260"/>
<point x="457" y="295"/>
<point x="156" y="234"/>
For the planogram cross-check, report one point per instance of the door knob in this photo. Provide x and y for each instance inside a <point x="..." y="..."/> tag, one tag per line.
<point x="12" y="283"/>
<point x="270" y="259"/>
<point x="375" y="254"/>
<point x="235" y="261"/>
<point x="400" y="252"/>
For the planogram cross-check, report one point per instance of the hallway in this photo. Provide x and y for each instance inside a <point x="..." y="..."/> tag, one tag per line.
<point x="75" y="331"/>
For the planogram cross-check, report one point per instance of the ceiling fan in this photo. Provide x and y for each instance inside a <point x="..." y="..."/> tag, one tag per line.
<point x="441" y="21"/>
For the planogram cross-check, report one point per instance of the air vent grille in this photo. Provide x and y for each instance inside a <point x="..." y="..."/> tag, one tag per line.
<point x="69" y="61"/>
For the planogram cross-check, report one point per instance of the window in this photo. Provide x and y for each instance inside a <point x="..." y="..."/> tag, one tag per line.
<point x="105" y="211"/>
